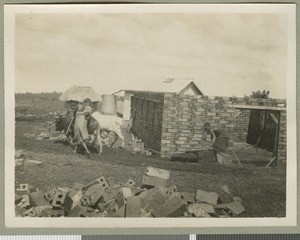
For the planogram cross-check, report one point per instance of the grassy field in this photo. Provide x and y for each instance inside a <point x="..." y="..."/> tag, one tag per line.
<point x="262" y="190"/>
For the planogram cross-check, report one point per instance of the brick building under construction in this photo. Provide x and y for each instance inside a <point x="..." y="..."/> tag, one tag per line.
<point x="171" y="123"/>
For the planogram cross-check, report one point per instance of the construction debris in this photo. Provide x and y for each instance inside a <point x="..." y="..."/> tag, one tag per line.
<point x="104" y="198"/>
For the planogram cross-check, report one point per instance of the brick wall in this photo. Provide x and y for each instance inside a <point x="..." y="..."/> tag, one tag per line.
<point x="147" y="113"/>
<point x="282" y="151"/>
<point x="170" y="123"/>
<point x="184" y="117"/>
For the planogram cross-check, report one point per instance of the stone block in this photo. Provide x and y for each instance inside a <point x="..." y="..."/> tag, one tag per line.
<point x="133" y="206"/>
<point x="37" y="199"/>
<point x="100" y="181"/>
<point x="174" y="207"/>
<point x="236" y="208"/>
<point x="157" y="172"/>
<point x="153" y="181"/>
<point x="50" y="194"/>
<point x="59" y="200"/>
<point x="110" y="194"/>
<point x="207" y="208"/>
<point x="153" y="199"/>
<point x="72" y="200"/>
<point x="122" y="195"/>
<point x="207" y="197"/>
<point x="26" y="188"/>
<point x="186" y="196"/>
<point x="196" y="210"/>
<point x="94" y="193"/>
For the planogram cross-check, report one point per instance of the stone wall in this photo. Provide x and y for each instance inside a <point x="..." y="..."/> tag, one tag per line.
<point x="171" y="123"/>
<point x="147" y="113"/>
<point x="184" y="117"/>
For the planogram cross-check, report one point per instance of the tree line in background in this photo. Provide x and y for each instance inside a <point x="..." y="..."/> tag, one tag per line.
<point x="38" y="103"/>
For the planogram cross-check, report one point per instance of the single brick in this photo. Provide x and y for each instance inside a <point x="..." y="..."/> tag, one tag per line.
<point x="157" y="172"/>
<point x="152" y="199"/>
<point x="153" y="181"/>
<point x="122" y="195"/>
<point x="37" y="199"/>
<point x="207" y="197"/>
<point x="236" y="208"/>
<point x="100" y="180"/>
<point x="59" y="200"/>
<point x="174" y="207"/>
<point x="50" y="194"/>
<point x="72" y="200"/>
<point x="207" y="208"/>
<point x="94" y="193"/>
<point x="26" y="188"/>
<point x="110" y="194"/>
<point x="186" y="196"/>
<point x="133" y="206"/>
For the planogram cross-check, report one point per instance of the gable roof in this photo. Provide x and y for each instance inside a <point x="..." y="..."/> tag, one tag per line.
<point x="79" y="93"/>
<point x="174" y="85"/>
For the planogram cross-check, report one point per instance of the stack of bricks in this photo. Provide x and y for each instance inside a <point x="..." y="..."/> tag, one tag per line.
<point x="282" y="151"/>
<point x="104" y="198"/>
<point x="178" y="126"/>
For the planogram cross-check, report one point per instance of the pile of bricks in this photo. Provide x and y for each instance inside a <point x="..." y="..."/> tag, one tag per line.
<point x="103" y="198"/>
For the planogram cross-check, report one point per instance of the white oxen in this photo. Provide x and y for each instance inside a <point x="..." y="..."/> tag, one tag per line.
<point x="108" y="123"/>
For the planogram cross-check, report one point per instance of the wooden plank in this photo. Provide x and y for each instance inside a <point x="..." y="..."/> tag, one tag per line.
<point x="272" y="160"/>
<point x="256" y="107"/>
<point x="274" y="118"/>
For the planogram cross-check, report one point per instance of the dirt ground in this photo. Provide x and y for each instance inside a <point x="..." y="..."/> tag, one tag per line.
<point x="262" y="190"/>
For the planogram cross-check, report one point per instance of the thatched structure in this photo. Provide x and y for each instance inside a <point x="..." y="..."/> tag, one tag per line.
<point x="77" y="94"/>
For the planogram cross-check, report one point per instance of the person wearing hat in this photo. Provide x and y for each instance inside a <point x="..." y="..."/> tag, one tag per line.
<point x="219" y="141"/>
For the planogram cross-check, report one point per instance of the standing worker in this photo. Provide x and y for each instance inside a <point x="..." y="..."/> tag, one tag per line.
<point x="82" y="119"/>
<point x="220" y="141"/>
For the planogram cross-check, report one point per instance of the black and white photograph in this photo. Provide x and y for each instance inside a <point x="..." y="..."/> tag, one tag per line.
<point x="158" y="115"/>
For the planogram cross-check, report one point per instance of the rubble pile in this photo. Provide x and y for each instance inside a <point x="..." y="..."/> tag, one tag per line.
<point x="136" y="145"/>
<point x="104" y="198"/>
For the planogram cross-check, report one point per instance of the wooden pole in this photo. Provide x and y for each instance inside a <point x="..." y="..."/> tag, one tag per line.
<point x="236" y="157"/>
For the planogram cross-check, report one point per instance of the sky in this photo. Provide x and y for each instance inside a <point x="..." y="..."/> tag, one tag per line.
<point x="226" y="54"/>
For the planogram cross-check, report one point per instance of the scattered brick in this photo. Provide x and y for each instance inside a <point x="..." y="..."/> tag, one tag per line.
<point x="153" y="181"/>
<point x="207" y="197"/>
